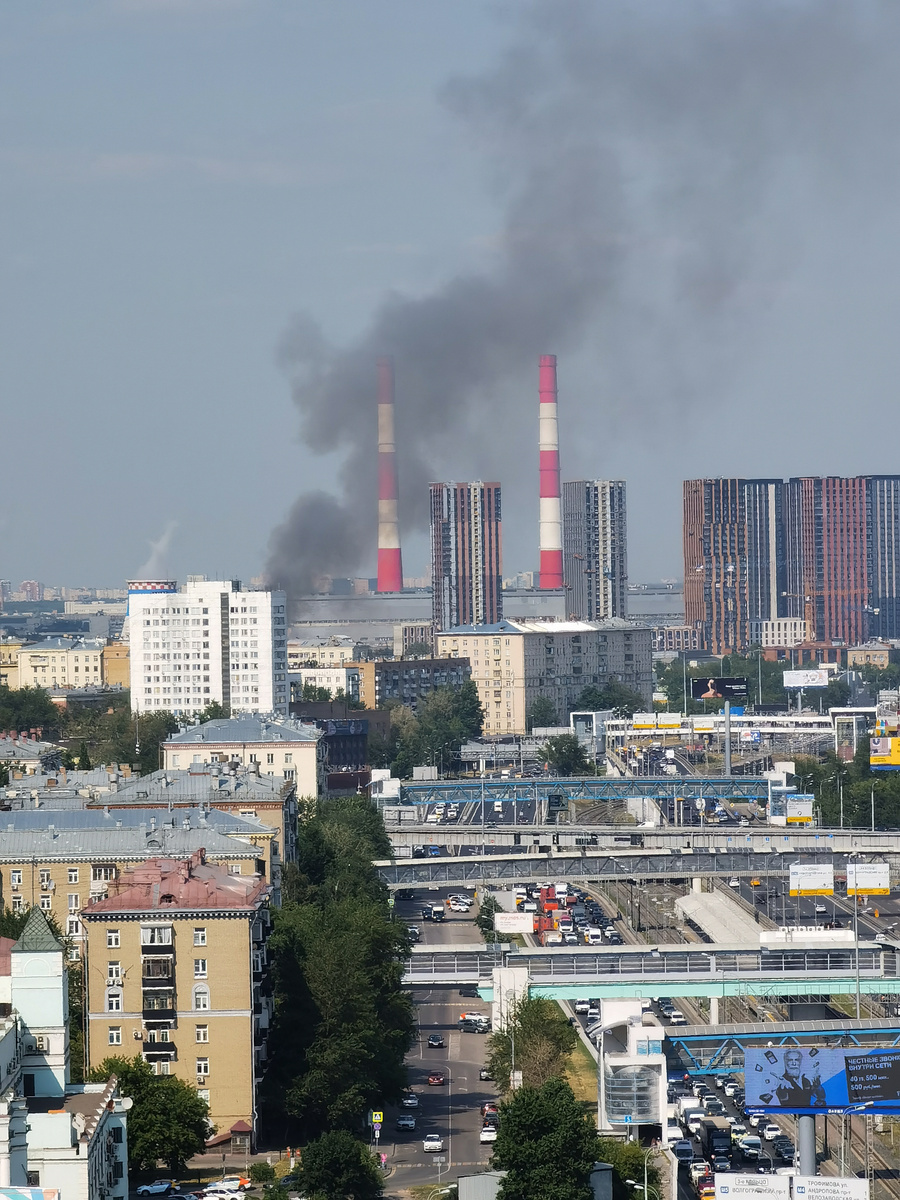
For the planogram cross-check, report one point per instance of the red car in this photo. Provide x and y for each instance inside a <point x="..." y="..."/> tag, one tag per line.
<point x="489" y="1107"/>
<point x="436" y="1077"/>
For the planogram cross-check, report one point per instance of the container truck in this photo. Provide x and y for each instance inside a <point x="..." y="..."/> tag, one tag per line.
<point x="715" y="1137"/>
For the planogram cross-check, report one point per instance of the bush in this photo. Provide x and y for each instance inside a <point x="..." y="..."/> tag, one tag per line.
<point x="262" y="1172"/>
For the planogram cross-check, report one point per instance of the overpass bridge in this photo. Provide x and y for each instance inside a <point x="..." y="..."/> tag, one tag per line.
<point x="508" y="870"/>
<point x="608" y="788"/>
<point x="761" y="839"/>
<point x="618" y="972"/>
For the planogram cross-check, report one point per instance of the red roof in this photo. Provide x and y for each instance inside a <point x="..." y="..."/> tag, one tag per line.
<point x="167" y="885"/>
<point x="6" y="945"/>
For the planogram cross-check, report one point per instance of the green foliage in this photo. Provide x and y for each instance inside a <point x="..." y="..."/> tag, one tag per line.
<point x="342" y="1022"/>
<point x="262" y="1172"/>
<point x="313" y="694"/>
<point x="84" y="759"/>
<point x="336" y="1166"/>
<point x="623" y="700"/>
<point x="215" y="711"/>
<point x="541" y="714"/>
<point x="169" y="1122"/>
<point x="4" y="774"/>
<point x="487" y="909"/>
<point x="26" y="708"/>
<point x="112" y="736"/>
<point x="756" y="670"/>
<point x="541" y="1038"/>
<point x="858" y="783"/>
<point x="76" y="1021"/>
<point x="546" y="1143"/>
<point x="566" y="754"/>
<point x="418" y="650"/>
<point x="444" y="719"/>
<point x="627" y="1162"/>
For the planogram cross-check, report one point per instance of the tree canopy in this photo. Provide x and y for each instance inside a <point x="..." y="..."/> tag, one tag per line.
<point x="765" y="681"/>
<point x="336" y="1166"/>
<point x="542" y="1037"/>
<point x="541" y="714"/>
<point x="169" y="1122"/>
<point x="618" y="697"/>
<point x="834" y="777"/>
<point x="433" y="734"/>
<point x="27" y="708"/>
<point x="566" y="754"/>
<point x="546" y="1143"/>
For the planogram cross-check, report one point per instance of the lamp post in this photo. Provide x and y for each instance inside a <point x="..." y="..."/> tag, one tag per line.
<point x="850" y="1111"/>
<point x="854" y="854"/>
<point x="643" y="1187"/>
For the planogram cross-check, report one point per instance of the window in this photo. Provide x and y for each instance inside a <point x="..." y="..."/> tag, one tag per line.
<point x="73" y="927"/>
<point x="17" y="903"/>
<point x="156" y="935"/>
<point x="202" y="1066"/>
<point x="289" y="758"/>
<point x="201" y="999"/>
<point x="46" y="903"/>
<point x="15" y="878"/>
<point x="112" y="939"/>
<point x="45" y="877"/>
<point x="74" y="902"/>
<point x="202" y="1033"/>
<point x="199" y="968"/>
<point x="113" y="970"/>
<point x="270" y="758"/>
<point x="73" y="874"/>
<point x="199" y="937"/>
<point x="115" y="1035"/>
<point x="162" y="1068"/>
<point x="103" y="872"/>
<point x="114" y="1001"/>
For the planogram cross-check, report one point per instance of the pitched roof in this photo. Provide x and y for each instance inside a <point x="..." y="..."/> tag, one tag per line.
<point x="163" y="886"/>
<point x="244" y="728"/>
<point x="37" y="935"/>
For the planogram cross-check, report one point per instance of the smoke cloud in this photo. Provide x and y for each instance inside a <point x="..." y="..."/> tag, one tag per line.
<point x="155" y="567"/>
<point x="661" y="168"/>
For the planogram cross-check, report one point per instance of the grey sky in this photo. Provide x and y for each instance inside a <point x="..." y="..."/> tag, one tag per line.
<point x="180" y="178"/>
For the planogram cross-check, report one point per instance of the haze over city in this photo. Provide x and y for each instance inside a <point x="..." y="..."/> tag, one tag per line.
<point x="211" y="206"/>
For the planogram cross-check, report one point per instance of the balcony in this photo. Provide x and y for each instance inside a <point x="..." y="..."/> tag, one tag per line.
<point x="159" y="978"/>
<point x="160" y="1051"/>
<point x="159" y="1006"/>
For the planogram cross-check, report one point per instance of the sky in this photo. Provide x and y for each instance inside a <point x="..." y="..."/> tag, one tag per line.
<point x="214" y="214"/>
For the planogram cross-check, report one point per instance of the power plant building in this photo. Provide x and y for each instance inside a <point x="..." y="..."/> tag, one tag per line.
<point x="466" y="554"/>
<point x="595" y="556"/>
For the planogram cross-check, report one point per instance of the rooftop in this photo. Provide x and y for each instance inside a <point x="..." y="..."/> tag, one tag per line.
<point x="162" y="885"/>
<point x="36" y="935"/>
<point x="244" y="728"/>
<point x="45" y="845"/>
<point x="547" y="627"/>
<point x="48" y="645"/>
<point x="94" y="817"/>
<point x="202" y="783"/>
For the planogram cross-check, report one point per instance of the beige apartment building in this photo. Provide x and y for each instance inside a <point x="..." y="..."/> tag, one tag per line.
<point x="283" y="749"/>
<point x="9" y="662"/>
<point x="61" y="662"/>
<point x="177" y="969"/>
<point x="333" y="653"/>
<point x="514" y="662"/>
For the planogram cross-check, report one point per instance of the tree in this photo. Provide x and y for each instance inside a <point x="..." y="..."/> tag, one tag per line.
<point x="419" y="650"/>
<point x="84" y="759"/>
<point x="27" y="708"/>
<point x="214" y="711"/>
<point x="313" y="694"/>
<point x="546" y="1143"/>
<point x="541" y="714"/>
<point x="336" y="1167"/>
<point x="542" y="1037"/>
<point x="627" y="1162"/>
<point x="566" y="754"/>
<point x="623" y="700"/>
<point x="168" y="1121"/>
<point x="485" y="920"/>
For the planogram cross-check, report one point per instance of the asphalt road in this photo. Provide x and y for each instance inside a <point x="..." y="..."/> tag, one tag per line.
<point x="453" y="1110"/>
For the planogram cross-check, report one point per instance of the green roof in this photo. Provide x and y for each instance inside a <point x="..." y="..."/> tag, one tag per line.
<point x="37" y="934"/>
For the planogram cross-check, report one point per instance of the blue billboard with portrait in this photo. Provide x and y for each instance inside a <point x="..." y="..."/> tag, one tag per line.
<point x="814" y="1079"/>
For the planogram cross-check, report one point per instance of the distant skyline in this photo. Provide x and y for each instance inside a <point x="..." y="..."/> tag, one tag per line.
<point x="711" y="194"/>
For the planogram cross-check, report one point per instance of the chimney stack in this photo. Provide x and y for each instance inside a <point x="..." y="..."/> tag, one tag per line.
<point x="390" y="567"/>
<point x="550" y="506"/>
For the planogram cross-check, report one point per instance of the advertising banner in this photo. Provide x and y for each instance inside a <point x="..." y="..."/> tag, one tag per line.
<point x="805" y="679"/>
<point x="868" y="879"/>
<point x="704" y="724"/>
<point x="884" y="753"/>
<point x="513" y="922"/>
<point x="668" y="720"/>
<point x="809" y="1079"/>
<point x="799" y="808"/>
<point x="749" y="1187"/>
<point x="643" y="721"/>
<point x="719" y="689"/>
<point x="811" y="879"/>
<point x="827" y="1187"/>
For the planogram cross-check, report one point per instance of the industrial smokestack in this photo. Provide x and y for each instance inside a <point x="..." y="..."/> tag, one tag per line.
<point x="390" y="567"/>
<point x="551" y="509"/>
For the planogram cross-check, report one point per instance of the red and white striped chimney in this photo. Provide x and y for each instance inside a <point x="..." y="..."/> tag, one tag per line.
<point x="551" y="508"/>
<point x="390" y="567"/>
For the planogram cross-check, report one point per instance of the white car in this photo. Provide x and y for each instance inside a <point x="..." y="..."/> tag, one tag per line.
<point x="820" y="908"/>
<point x="770" y="1132"/>
<point x="433" y="1143"/>
<point x="159" y="1187"/>
<point x="736" y="883"/>
<point x="488" y="1134"/>
<point x="410" y="1100"/>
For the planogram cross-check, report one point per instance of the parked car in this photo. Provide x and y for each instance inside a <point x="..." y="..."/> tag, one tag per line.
<point x="405" y="1121"/>
<point x="436" y="1078"/>
<point x="436" y="1041"/>
<point x="159" y="1187"/>
<point x="433" y="1143"/>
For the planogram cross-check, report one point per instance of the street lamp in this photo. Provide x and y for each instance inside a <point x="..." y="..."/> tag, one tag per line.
<point x="854" y="854"/>
<point x="851" y="1110"/>
<point x="643" y="1187"/>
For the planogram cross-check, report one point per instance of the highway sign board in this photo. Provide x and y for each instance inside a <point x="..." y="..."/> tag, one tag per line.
<point x="810" y="1079"/>
<point x="827" y="1187"/>
<point x="868" y="879"/>
<point x="811" y="879"/>
<point x="752" y="1187"/>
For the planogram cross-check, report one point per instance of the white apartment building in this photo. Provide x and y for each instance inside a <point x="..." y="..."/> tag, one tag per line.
<point x="332" y="653"/>
<point x="514" y="662"/>
<point x="335" y="679"/>
<point x="211" y="640"/>
<point x="62" y="662"/>
<point x="778" y="631"/>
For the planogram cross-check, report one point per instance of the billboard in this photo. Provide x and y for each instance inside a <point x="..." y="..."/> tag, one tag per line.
<point x="513" y="922"/>
<point x="805" y="679"/>
<point x="828" y="1187"/>
<point x="748" y="1187"/>
<point x="799" y="808"/>
<point x="884" y="753"/>
<point x="719" y="689"/>
<point x="809" y="1079"/>
<point x="811" y="879"/>
<point x="868" y="879"/>
<point x="643" y="721"/>
<point x="668" y="720"/>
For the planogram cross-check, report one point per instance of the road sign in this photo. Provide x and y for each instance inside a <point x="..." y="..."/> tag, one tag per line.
<point x="377" y="1118"/>
<point x="377" y="1132"/>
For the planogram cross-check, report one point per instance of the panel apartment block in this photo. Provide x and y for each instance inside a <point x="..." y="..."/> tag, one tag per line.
<point x="595" y="557"/>
<point x="466" y="554"/>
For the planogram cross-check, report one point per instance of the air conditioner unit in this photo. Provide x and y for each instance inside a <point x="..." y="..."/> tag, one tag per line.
<point x="137" y="1035"/>
<point x="30" y="1048"/>
<point x="114" y="981"/>
<point x="16" y="887"/>
<point x="202" y="1081"/>
<point x="45" y="887"/>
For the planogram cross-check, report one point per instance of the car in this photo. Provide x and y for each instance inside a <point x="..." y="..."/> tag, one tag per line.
<point x="484" y="1074"/>
<point x="593" y="1010"/>
<point x="770" y="1131"/>
<point x="698" y="1169"/>
<point x="786" y="1154"/>
<point x="738" y="1130"/>
<point x="410" y="1100"/>
<point x="720" y="1163"/>
<point x="437" y="1079"/>
<point x="735" y="883"/>
<point x="489" y="1106"/>
<point x="405" y="1121"/>
<point x="159" y="1187"/>
<point x="436" y="1041"/>
<point x="755" y="1119"/>
<point x="820" y="908"/>
<point x="488" y="1134"/>
<point x="731" y="1086"/>
<point x="433" y="1143"/>
<point x="750" y="1147"/>
<point x="582" y="1006"/>
<point x="732" y="1121"/>
<point x="882" y="938"/>
<point x="470" y="991"/>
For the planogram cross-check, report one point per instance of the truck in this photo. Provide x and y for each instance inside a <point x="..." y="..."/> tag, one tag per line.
<point x="551" y="937"/>
<point x="715" y="1137"/>
<point x="688" y="1104"/>
<point x="433" y="912"/>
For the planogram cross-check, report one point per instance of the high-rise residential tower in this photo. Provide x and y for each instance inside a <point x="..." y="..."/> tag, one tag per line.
<point x="466" y="554"/>
<point x="209" y="641"/>
<point x="595" y="558"/>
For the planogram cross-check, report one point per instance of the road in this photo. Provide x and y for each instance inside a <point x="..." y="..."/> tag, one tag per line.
<point x="453" y="1111"/>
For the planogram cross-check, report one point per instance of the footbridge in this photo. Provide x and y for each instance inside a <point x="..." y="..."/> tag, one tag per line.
<point x="564" y="973"/>
<point x="719" y="1049"/>
<point x="609" y="788"/>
